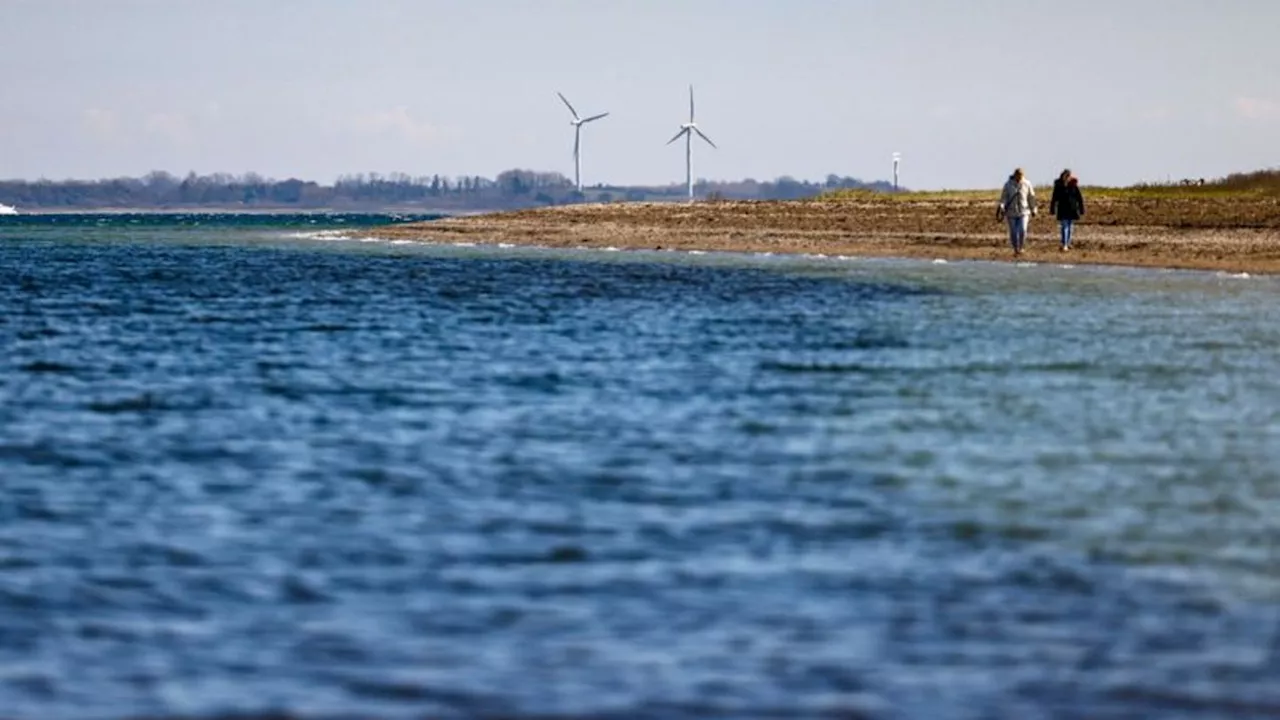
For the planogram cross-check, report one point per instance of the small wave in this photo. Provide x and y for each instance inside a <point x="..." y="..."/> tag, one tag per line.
<point x="42" y="366"/>
<point x="973" y="530"/>
<point x="138" y="403"/>
<point x="939" y="261"/>
<point x="800" y="367"/>
<point x="319" y="235"/>
<point x="300" y="590"/>
<point x="210" y="319"/>
<point x="1238" y="276"/>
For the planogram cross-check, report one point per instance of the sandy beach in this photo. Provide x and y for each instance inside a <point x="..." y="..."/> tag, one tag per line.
<point x="1171" y="229"/>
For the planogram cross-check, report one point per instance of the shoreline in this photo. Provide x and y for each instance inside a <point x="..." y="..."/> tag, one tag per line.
<point x="232" y="210"/>
<point x="1193" y="233"/>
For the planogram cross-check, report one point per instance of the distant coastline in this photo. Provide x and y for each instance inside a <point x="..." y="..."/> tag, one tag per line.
<point x="397" y="192"/>
<point x="1204" y="228"/>
<point x="254" y="210"/>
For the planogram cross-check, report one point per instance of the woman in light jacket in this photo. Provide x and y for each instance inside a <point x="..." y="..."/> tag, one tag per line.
<point x="1017" y="206"/>
<point x="1067" y="204"/>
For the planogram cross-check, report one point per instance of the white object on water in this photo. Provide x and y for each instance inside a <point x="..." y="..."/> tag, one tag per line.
<point x="577" y="124"/>
<point x="687" y="130"/>
<point x="8" y="209"/>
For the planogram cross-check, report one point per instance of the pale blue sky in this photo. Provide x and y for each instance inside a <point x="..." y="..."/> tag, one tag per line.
<point x="1120" y="90"/>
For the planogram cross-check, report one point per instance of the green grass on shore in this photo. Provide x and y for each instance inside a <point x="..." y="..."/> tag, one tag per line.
<point x="1260" y="183"/>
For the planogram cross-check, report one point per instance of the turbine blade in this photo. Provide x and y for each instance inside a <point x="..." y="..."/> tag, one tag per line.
<point x="577" y="141"/>
<point x="690" y="103"/>
<point x="566" y="104"/>
<point x="595" y="117"/>
<point x="678" y="135"/>
<point x="704" y="137"/>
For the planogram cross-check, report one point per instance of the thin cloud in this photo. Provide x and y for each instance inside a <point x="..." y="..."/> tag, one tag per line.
<point x="399" y="122"/>
<point x="1253" y="108"/>
<point x="101" y="123"/>
<point x="175" y="127"/>
<point x="1156" y="114"/>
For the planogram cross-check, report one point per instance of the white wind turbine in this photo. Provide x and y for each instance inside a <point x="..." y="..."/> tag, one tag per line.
<point x="687" y="130"/>
<point x="897" y="158"/>
<point x="577" y="124"/>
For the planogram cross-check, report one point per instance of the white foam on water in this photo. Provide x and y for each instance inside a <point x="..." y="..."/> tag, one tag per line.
<point x="939" y="261"/>
<point x="326" y="235"/>
<point x="697" y="252"/>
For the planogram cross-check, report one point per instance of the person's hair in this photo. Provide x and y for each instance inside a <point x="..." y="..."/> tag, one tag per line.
<point x="1018" y="174"/>
<point x="1066" y="174"/>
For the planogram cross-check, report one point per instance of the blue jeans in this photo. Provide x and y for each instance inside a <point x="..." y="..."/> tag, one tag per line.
<point x="1018" y="231"/>
<point x="1066" y="226"/>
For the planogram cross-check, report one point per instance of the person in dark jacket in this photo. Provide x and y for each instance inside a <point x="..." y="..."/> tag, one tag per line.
<point x="1067" y="204"/>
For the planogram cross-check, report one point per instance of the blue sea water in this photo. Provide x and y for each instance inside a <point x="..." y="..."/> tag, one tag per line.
<point x="250" y="466"/>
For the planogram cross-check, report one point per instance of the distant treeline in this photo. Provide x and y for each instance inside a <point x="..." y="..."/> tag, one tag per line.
<point x="510" y="189"/>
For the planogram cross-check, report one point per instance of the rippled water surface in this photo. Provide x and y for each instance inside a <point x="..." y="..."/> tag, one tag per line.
<point x="247" y="466"/>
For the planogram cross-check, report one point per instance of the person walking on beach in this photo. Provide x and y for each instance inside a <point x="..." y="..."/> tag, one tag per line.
<point x="1067" y="204"/>
<point x="1017" y="206"/>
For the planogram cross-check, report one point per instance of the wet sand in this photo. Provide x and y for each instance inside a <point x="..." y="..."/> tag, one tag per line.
<point x="1235" y="234"/>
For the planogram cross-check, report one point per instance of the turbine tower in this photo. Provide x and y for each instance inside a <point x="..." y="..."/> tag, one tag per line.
<point x="897" y="157"/>
<point x="687" y="130"/>
<point x="577" y="123"/>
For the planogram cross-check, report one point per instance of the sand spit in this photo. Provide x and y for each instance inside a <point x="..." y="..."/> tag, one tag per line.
<point x="1234" y="234"/>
